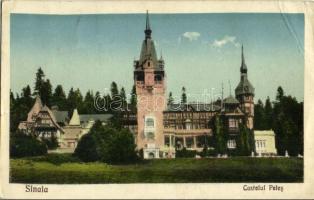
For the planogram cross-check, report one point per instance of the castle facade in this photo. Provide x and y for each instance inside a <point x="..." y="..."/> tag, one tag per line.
<point x="162" y="128"/>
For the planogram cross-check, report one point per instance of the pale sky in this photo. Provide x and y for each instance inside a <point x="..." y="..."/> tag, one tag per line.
<point x="200" y="50"/>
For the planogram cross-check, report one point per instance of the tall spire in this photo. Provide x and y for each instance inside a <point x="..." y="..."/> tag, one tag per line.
<point x="147" y="31"/>
<point x="243" y="68"/>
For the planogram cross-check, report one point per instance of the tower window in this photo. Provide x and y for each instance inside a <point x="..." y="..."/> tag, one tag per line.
<point x="148" y="64"/>
<point x="158" y="78"/>
<point x="149" y="122"/>
<point x="150" y="135"/>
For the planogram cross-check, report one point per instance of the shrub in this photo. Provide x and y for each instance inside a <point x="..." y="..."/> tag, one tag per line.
<point x="52" y="143"/>
<point x="207" y="152"/>
<point x="122" y="148"/>
<point x="56" y="158"/>
<point x="184" y="153"/>
<point x="107" y="144"/>
<point x="22" y="145"/>
<point x="86" y="149"/>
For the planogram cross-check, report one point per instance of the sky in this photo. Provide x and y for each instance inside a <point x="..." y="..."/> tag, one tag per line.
<point x="202" y="52"/>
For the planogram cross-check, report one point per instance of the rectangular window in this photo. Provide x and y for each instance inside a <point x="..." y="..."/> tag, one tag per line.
<point x="233" y="124"/>
<point x="179" y="142"/>
<point x="149" y="122"/>
<point x="189" y="142"/>
<point x="200" y="141"/>
<point x="231" y="144"/>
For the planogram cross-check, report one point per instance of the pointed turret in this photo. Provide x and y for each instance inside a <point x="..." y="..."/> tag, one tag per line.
<point x="148" y="51"/>
<point x="244" y="87"/>
<point x="147" y="31"/>
<point x="243" y="68"/>
<point x="75" y="119"/>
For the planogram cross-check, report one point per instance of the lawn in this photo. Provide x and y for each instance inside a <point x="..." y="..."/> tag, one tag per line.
<point x="67" y="170"/>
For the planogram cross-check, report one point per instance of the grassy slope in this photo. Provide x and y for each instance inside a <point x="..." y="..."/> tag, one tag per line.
<point x="160" y="171"/>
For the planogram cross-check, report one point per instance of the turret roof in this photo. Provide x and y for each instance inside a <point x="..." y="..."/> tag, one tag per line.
<point x="231" y="100"/>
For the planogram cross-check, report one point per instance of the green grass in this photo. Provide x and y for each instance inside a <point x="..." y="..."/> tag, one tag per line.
<point x="65" y="169"/>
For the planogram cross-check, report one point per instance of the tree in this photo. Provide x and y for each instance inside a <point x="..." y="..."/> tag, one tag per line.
<point x="39" y="81"/>
<point x="280" y="93"/>
<point x="52" y="142"/>
<point x="259" y="116"/>
<point x="22" y="145"/>
<point x="46" y="93"/>
<point x="116" y="101"/>
<point x="27" y="96"/>
<point x="288" y="124"/>
<point x="183" y="96"/>
<point x="268" y="114"/>
<point x="123" y="98"/>
<point x="107" y="144"/>
<point x="88" y="103"/>
<point x="74" y="100"/>
<point x="133" y="99"/>
<point x="43" y="87"/>
<point x="59" y="98"/>
<point x="107" y="101"/>
<point x="170" y="99"/>
<point x="244" y="141"/>
<point x="122" y="147"/>
<point x="114" y="90"/>
<point x="19" y="107"/>
<point x="86" y="149"/>
<point x="220" y="140"/>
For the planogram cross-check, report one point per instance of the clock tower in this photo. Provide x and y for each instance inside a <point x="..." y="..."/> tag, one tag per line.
<point x="245" y="94"/>
<point x="149" y="79"/>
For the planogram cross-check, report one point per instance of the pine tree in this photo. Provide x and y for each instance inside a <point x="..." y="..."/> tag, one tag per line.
<point x="46" y="92"/>
<point x="107" y="101"/>
<point x="244" y="141"/>
<point x="133" y="99"/>
<point x="219" y="136"/>
<point x="39" y="81"/>
<point x="183" y="97"/>
<point x="280" y="93"/>
<point x="74" y="100"/>
<point x="123" y="98"/>
<point x="268" y="114"/>
<point x="259" y="116"/>
<point x="26" y="97"/>
<point x="59" y="98"/>
<point x="170" y="99"/>
<point x="114" y="90"/>
<point x="43" y="87"/>
<point x="88" y="103"/>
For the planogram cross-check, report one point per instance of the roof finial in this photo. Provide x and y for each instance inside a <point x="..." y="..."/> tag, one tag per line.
<point x="147" y="31"/>
<point x="229" y="87"/>
<point x="243" y="68"/>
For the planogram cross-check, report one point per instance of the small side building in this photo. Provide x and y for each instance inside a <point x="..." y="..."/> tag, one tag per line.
<point x="265" y="142"/>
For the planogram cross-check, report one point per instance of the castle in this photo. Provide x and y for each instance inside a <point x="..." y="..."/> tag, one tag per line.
<point x="159" y="127"/>
<point x="162" y="128"/>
